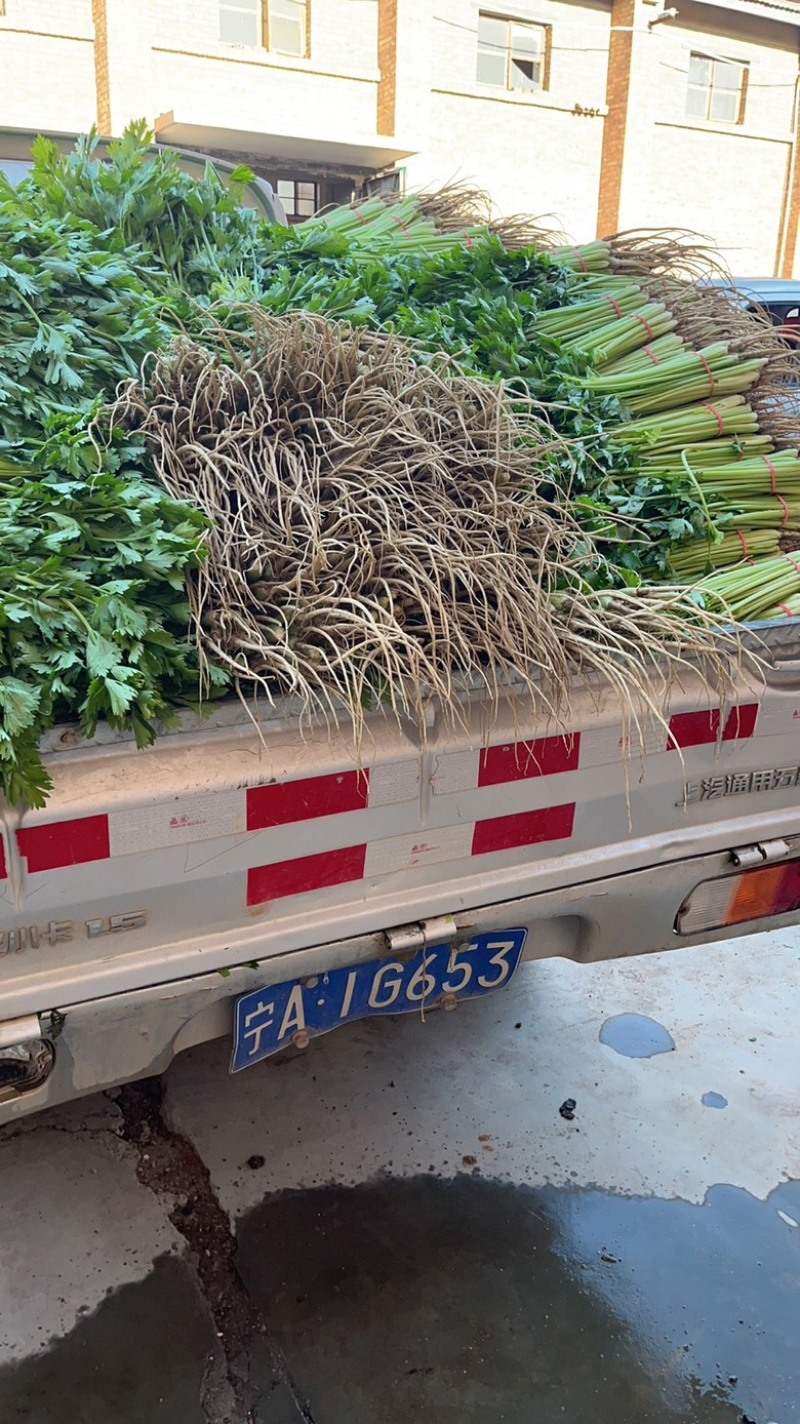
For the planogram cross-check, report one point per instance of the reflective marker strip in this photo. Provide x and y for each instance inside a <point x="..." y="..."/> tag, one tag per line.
<point x="306" y="800"/>
<point x="299" y="877"/>
<point x="696" y="729"/>
<point x="517" y="761"/>
<point x="61" y="843"/>
<point x="528" y="828"/>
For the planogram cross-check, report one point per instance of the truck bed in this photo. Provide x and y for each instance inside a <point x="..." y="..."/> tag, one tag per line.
<point x="231" y="855"/>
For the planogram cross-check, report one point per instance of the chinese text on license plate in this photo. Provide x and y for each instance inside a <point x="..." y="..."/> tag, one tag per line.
<point x="268" y="1019"/>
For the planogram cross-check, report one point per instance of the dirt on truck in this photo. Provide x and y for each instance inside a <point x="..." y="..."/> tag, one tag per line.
<point x="387" y="601"/>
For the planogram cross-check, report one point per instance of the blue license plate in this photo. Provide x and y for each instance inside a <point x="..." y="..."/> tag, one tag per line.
<point x="301" y="1009"/>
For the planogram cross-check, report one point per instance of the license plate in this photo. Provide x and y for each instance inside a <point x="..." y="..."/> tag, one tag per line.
<point x="301" y="1009"/>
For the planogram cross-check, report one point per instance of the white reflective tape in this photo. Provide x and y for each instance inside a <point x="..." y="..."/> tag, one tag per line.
<point x="605" y="746"/>
<point x="181" y="821"/>
<point x="394" y="782"/>
<point x="455" y="771"/>
<point x="422" y="848"/>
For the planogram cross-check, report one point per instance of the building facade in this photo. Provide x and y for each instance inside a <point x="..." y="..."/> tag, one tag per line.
<point x="600" y="115"/>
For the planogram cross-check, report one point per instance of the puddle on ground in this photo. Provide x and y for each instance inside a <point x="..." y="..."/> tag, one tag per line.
<point x="461" y="1302"/>
<point x="139" y="1359"/>
<point x="636" y="1036"/>
<point x="714" y="1100"/>
<point x="457" y="1302"/>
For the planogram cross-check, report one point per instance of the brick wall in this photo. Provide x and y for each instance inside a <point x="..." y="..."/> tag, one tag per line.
<point x="532" y="152"/>
<point x="47" y="65"/>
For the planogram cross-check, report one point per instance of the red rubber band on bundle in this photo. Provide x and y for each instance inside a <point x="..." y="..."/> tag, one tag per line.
<point x="716" y="414"/>
<point x="743" y="543"/>
<point x="468" y="241"/>
<point x="645" y="323"/>
<point x="402" y="225"/>
<point x="792" y="561"/>
<point x="361" y="217"/>
<point x="648" y="352"/>
<point x="787" y="611"/>
<point x="579" y="255"/>
<point x="702" y="358"/>
<point x="616" y="306"/>
<point x="787" y="513"/>
<point x="773" y="474"/>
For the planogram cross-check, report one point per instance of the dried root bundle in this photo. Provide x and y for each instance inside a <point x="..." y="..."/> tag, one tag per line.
<point x="377" y="530"/>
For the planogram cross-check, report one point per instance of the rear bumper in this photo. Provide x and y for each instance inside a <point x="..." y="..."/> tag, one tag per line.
<point x="109" y="1040"/>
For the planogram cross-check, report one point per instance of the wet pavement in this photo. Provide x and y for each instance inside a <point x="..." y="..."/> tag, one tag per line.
<point x="403" y="1225"/>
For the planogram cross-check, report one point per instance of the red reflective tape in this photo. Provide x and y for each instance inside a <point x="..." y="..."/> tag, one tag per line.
<point x="307" y="799"/>
<point x="530" y="828"/>
<point x="697" y="729"/>
<point x="741" y="722"/>
<point x="701" y="358"/>
<point x="693" y="729"/>
<point x="300" y="877"/>
<point x="547" y="756"/>
<point x="716" y="415"/>
<point x="62" y="843"/>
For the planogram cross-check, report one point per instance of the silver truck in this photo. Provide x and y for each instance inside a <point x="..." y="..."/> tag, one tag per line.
<point x="265" y="884"/>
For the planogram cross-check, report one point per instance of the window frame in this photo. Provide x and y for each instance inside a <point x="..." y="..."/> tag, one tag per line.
<point x="743" y="65"/>
<point x="293" y="214"/>
<point x="263" y="23"/>
<point x="511" y="21"/>
<point x="267" y="22"/>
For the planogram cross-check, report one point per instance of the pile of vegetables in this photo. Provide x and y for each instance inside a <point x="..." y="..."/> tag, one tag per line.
<point x="360" y="459"/>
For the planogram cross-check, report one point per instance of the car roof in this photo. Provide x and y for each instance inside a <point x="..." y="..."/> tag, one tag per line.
<point x="769" y="290"/>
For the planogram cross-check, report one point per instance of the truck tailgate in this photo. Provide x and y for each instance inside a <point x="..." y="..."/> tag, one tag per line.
<point x="224" y="844"/>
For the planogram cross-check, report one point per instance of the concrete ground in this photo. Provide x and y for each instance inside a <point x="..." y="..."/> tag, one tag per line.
<point x="577" y="1201"/>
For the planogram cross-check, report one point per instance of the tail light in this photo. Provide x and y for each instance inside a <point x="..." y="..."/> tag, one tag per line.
<point x="734" y="899"/>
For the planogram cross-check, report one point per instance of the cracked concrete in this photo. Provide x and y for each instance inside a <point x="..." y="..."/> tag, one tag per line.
<point x="400" y="1225"/>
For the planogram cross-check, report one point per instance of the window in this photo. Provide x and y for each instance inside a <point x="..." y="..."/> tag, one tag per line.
<point x="717" y="89"/>
<point x="511" y="54"/>
<point x="286" y="26"/>
<point x="240" y="22"/>
<point x="299" y="198"/>
<point x="278" y="25"/>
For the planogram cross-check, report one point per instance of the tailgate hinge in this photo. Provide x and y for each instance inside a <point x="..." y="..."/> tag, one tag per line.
<point x="759" y="854"/>
<point x="408" y="938"/>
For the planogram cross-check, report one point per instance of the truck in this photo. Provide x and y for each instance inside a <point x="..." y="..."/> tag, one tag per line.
<point x="253" y="882"/>
<point x="256" y="877"/>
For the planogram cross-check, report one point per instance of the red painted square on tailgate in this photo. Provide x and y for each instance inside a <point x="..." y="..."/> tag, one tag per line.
<point x="547" y="756"/>
<point x="62" y="843"/>
<point x="311" y="872"/>
<point x="698" y="729"/>
<point x="304" y="800"/>
<point x="510" y="832"/>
